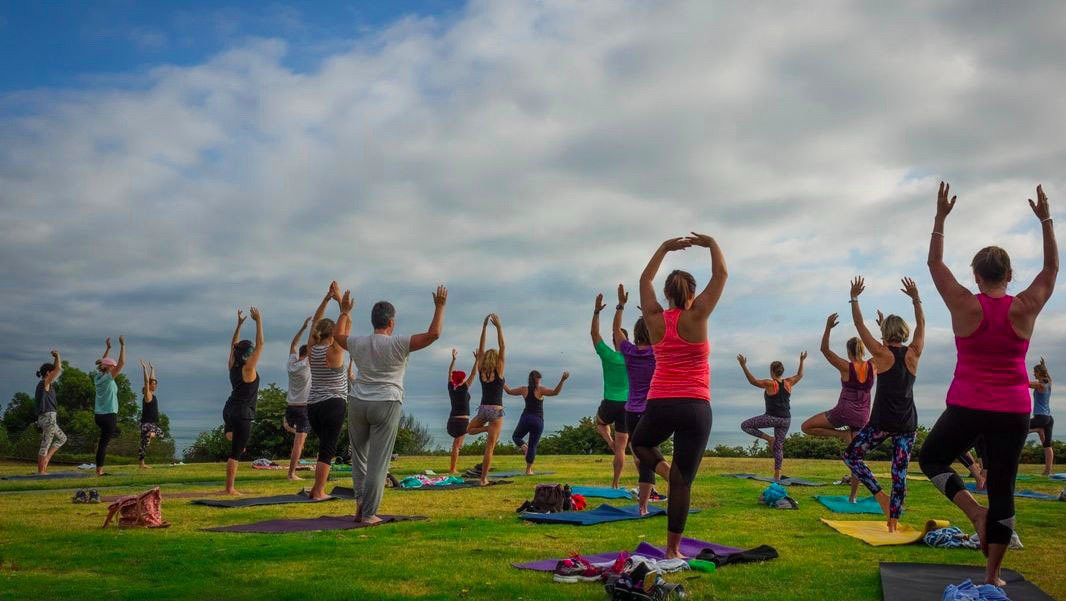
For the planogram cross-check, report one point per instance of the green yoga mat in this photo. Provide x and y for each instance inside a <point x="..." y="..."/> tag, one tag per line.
<point x="841" y="504"/>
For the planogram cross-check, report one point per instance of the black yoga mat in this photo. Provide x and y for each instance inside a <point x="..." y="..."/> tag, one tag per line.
<point x="54" y="476"/>
<point x="325" y="522"/>
<point x="910" y="581"/>
<point x="257" y="501"/>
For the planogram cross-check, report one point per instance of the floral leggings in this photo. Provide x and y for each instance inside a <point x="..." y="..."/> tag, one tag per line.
<point x="51" y="436"/>
<point x="869" y="438"/>
<point x="147" y="429"/>
<point x="779" y="424"/>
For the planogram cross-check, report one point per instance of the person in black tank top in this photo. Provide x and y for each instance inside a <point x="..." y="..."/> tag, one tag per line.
<point x="52" y="437"/>
<point x="459" y="416"/>
<point x="244" y="381"/>
<point x="149" y="412"/>
<point x="893" y="416"/>
<point x="531" y="422"/>
<point x="777" y="392"/>
<point x="489" y="418"/>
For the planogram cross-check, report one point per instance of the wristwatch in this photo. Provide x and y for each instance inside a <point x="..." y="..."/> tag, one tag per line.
<point x="619" y="307"/>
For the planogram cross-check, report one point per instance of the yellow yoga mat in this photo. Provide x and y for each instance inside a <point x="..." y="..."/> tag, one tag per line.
<point x="876" y="532"/>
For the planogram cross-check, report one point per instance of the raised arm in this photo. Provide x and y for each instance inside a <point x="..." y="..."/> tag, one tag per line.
<point x="918" y="338"/>
<point x="333" y="293"/>
<point x="834" y="359"/>
<point x="451" y="366"/>
<point x="799" y="372"/>
<point x="1037" y="294"/>
<point x="248" y="371"/>
<point x="147" y="389"/>
<point x="743" y="361"/>
<point x="501" y="363"/>
<point x="477" y="361"/>
<point x="57" y="367"/>
<point x="955" y="295"/>
<point x="107" y="346"/>
<point x="595" y="330"/>
<point x="117" y="369"/>
<point x="649" y="303"/>
<point x="232" y="344"/>
<point x="296" y="338"/>
<point x="619" y="309"/>
<point x="706" y="301"/>
<point x="877" y="350"/>
<point x="558" y="387"/>
<point x="436" y="325"/>
<point x="520" y="391"/>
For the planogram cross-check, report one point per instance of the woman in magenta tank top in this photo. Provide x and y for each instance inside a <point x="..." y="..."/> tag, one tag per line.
<point x="989" y="396"/>
<point x="679" y="398"/>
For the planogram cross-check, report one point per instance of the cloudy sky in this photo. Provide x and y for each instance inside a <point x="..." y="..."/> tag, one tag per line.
<point x="161" y="167"/>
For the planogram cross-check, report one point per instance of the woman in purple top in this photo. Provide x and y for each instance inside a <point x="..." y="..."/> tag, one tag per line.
<point x="640" y="366"/>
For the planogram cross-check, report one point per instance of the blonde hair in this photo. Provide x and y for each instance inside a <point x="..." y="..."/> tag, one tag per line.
<point x="324" y="328"/>
<point x="1041" y="372"/>
<point x="895" y="330"/>
<point x="488" y="362"/>
<point x="856" y="349"/>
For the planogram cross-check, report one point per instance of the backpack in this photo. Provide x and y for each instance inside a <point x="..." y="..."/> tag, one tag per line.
<point x="549" y="498"/>
<point x="139" y="511"/>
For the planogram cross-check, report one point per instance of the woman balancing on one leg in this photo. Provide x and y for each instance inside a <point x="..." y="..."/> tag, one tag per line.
<point x="1042" y="423"/>
<point x="489" y="418"/>
<point x="327" y="398"/>
<point x="51" y="436"/>
<point x="531" y="422"/>
<point x="777" y="394"/>
<point x="679" y="401"/>
<point x="106" y="407"/>
<point x="149" y="412"/>
<point x="989" y="396"/>
<point x="612" y="410"/>
<point x="893" y="416"/>
<point x="295" y="420"/>
<point x="459" y="416"/>
<point x="244" y="380"/>
<point x="852" y="410"/>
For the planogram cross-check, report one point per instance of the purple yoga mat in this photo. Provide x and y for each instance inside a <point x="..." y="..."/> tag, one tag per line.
<point x="690" y="547"/>
<point x="325" y="522"/>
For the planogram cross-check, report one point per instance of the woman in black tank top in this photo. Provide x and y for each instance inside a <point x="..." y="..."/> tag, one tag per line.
<point x="149" y="412"/>
<point x="489" y="418"/>
<point x="244" y="381"/>
<point x="459" y="397"/>
<point x="531" y="422"/>
<point x="777" y="394"/>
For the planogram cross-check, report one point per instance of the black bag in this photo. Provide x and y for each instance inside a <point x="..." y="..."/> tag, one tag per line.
<point x="760" y="553"/>
<point x="548" y="498"/>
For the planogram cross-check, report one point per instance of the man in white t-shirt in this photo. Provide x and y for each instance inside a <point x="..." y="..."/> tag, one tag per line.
<point x="295" y="420"/>
<point x="375" y="399"/>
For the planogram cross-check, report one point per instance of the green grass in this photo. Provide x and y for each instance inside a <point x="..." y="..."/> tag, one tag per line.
<point x="52" y="549"/>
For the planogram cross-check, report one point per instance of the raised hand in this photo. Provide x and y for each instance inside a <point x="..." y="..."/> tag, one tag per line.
<point x="455" y="354"/>
<point x="440" y="297"/>
<point x="623" y="296"/>
<point x="347" y="302"/>
<point x="857" y="286"/>
<point x="700" y="240"/>
<point x="476" y="356"/>
<point x="255" y="314"/>
<point x="566" y="375"/>
<point x="495" y="319"/>
<point x="307" y="322"/>
<point x="1041" y="206"/>
<point x="107" y="342"/>
<point x="334" y="291"/>
<point x="803" y="356"/>
<point x="943" y="204"/>
<point x="122" y="341"/>
<point x="55" y="354"/>
<point x="600" y="306"/>
<point x="880" y="317"/>
<point x="831" y="322"/>
<point x="240" y="320"/>
<point x="742" y="359"/>
<point x="673" y="244"/>
<point x="143" y="364"/>
<point x="910" y="289"/>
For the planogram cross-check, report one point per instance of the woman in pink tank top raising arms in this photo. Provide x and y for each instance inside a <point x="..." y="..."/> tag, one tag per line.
<point x="679" y="399"/>
<point x="989" y="396"/>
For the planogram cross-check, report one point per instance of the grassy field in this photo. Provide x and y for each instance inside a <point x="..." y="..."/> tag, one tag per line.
<point x="52" y="549"/>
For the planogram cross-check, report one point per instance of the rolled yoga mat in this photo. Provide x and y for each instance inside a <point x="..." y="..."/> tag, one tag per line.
<point x="910" y="581"/>
<point x="841" y="504"/>
<point x="325" y="522"/>
<point x="259" y="501"/>
<point x="876" y="532"/>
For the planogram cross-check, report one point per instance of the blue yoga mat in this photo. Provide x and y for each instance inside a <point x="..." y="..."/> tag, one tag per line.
<point x="1061" y="476"/>
<point x="840" y="504"/>
<point x="601" y="492"/>
<point x="601" y="515"/>
<point x="1025" y="494"/>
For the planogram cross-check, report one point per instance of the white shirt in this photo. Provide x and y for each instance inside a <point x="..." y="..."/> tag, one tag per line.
<point x="299" y="379"/>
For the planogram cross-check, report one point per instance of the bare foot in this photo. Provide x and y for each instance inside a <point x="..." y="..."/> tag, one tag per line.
<point x="892" y="522"/>
<point x="675" y="555"/>
<point x="319" y="497"/>
<point x="294" y="477"/>
<point x="529" y="472"/>
<point x="643" y="509"/>
<point x="851" y="500"/>
<point x="484" y="482"/>
<point x="232" y="492"/>
<point x="995" y="580"/>
<point x="99" y="472"/>
<point x="144" y="467"/>
<point x="524" y="449"/>
<point x="452" y="473"/>
<point x="370" y="521"/>
<point x="981" y="481"/>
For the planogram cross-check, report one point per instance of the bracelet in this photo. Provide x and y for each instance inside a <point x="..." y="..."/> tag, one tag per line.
<point x="918" y="302"/>
<point x="1045" y="220"/>
<point x="937" y="234"/>
<point x="854" y="300"/>
<point x="619" y="307"/>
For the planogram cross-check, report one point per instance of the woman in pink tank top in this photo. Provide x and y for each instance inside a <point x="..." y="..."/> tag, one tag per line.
<point x="679" y="400"/>
<point x="989" y="398"/>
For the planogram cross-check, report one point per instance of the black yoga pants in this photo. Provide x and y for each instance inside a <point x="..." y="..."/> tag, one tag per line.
<point x="108" y="424"/>
<point x="1003" y="436"/>
<point x="327" y="419"/>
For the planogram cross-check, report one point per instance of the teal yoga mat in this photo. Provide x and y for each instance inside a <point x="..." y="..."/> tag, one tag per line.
<point x="601" y="492"/>
<point x="840" y="504"/>
<point x="1024" y="494"/>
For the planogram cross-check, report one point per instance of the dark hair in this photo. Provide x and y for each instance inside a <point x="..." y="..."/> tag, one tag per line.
<point x="625" y="334"/>
<point x="381" y="313"/>
<point x="992" y="263"/>
<point x="241" y="351"/>
<point x="640" y="332"/>
<point x="680" y="286"/>
<point x="303" y="351"/>
<point x="46" y="368"/>
<point x="534" y="379"/>
<point x="777" y="369"/>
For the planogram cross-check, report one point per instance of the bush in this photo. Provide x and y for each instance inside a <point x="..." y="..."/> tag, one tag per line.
<point x="413" y="438"/>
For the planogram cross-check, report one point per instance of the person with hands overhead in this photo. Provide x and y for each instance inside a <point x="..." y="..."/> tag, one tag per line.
<point x="375" y="399"/>
<point x="149" y="412"/>
<point x="52" y="437"/>
<point x="106" y="406"/>
<point x="244" y="381"/>
<point x="679" y="397"/>
<point x="459" y="415"/>
<point x="777" y="393"/>
<point x="1042" y="422"/>
<point x="489" y="417"/>
<point x="893" y="416"/>
<point x="531" y="422"/>
<point x="988" y="399"/>
<point x="298" y="370"/>
<point x="612" y="409"/>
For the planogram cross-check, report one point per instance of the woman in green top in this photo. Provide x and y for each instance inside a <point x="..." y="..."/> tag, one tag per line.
<point x="106" y="409"/>
<point x="612" y="409"/>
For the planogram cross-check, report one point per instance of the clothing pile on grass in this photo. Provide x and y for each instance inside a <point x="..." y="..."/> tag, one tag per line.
<point x="968" y="591"/>
<point x="954" y="538"/>
<point x="421" y="481"/>
<point x="553" y="498"/>
<point x="776" y="497"/>
<point x="265" y="464"/>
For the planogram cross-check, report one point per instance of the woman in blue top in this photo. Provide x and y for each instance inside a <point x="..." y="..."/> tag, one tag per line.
<point x="1042" y="422"/>
<point x="106" y="407"/>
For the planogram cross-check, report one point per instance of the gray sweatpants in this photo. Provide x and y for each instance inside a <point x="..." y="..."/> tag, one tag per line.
<point x="372" y="427"/>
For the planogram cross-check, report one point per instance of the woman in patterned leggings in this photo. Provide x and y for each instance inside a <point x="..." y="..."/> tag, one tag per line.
<point x="778" y="416"/>
<point x="51" y="436"/>
<point x="893" y="416"/>
<point x="149" y="412"/>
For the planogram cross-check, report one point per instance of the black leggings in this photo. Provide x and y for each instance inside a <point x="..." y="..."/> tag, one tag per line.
<point x="1003" y="436"/>
<point x="1045" y="423"/>
<point x="108" y="424"/>
<point x="327" y="419"/>
<point x="240" y="428"/>
<point x="689" y="421"/>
